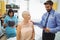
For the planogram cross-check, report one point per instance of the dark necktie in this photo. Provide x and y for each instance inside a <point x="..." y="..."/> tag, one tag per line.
<point x="47" y="20"/>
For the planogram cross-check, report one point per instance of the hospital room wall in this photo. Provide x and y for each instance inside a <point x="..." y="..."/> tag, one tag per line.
<point x="56" y="5"/>
<point x="58" y="8"/>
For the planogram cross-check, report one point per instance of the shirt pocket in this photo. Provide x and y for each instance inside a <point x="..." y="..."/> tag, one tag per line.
<point x="51" y="19"/>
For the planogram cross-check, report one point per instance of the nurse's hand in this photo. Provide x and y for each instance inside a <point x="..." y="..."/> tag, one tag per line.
<point x="4" y="25"/>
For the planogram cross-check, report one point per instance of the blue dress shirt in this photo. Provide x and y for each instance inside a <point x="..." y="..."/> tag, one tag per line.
<point x="53" y="21"/>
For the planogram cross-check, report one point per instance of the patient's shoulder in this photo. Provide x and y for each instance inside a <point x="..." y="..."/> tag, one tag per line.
<point x="30" y="23"/>
<point x="20" y="23"/>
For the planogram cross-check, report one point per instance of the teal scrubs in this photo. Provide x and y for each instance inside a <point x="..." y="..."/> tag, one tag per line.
<point x="10" y="31"/>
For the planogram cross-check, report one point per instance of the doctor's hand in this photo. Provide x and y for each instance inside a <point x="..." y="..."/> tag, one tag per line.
<point x="31" y="21"/>
<point x="47" y="30"/>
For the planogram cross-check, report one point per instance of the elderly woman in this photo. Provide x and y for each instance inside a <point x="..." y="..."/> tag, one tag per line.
<point x="25" y="29"/>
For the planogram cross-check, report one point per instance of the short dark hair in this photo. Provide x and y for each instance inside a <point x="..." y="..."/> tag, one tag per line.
<point x="49" y="2"/>
<point x="9" y="11"/>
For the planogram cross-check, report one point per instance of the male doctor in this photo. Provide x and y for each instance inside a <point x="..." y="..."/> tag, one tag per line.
<point x="50" y="22"/>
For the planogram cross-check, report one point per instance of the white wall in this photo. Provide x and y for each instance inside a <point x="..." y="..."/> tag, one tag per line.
<point x="58" y="8"/>
<point x="36" y="9"/>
